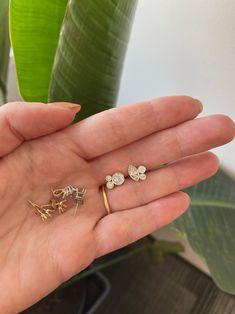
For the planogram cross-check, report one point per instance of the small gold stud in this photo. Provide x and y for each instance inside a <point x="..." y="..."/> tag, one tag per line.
<point x="137" y="173"/>
<point x="117" y="178"/>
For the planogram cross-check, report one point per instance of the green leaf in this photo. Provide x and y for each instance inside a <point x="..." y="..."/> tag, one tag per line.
<point x="209" y="226"/>
<point x="160" y="248"/>
<point x="90" y="54"/>
<point x="35" y="27"/>
<point x="2" y="97"/>
<point x="4" y="48"/>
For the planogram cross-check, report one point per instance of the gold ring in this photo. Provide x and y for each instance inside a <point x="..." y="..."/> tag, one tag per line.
<point x="106" y="202"/>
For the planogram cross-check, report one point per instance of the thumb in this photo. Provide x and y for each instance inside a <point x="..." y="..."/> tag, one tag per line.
<point x="20" y="121"/>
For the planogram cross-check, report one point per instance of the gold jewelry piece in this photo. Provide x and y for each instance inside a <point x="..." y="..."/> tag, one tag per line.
<point x="45" y="211"/>
<point x="137" y="174"/>
<point x="117" y="178"/>
<point x="59" y="200"/>
<point x="76" y="193"/>
<point x="106" y="202"/>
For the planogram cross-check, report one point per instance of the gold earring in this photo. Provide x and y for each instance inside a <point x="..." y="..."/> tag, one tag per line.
<point x="57" y="203"/>
<point x="117" y="178"/>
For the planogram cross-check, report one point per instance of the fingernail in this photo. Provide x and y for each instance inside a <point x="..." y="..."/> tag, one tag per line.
<point x="66" y="105"/>
<point x="200" y="104"/>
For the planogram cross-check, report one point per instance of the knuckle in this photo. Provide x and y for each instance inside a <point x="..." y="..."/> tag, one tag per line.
<point x="116" y="125"/>
<point x="178" y="142"/>
<point x="176" y="178"/>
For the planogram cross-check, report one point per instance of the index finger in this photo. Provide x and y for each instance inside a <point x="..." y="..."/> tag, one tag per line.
<point x="114" y="128"/>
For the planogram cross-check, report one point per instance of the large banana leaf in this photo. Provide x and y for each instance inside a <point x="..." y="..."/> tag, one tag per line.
<point x="4" y="48"/>
<point x="209" y="226"/>
<point x="87" y="58"/>
<point x="35" y="27"/>
<point x="91" y="52"/>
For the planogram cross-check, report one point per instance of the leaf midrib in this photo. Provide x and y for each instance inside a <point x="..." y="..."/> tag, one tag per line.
<point x="212" y="203"/>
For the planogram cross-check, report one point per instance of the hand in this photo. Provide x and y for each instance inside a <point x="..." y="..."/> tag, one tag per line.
<point x="40" y="152"/>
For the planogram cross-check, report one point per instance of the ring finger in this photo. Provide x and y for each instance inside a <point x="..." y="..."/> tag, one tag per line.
<point x="166" y="180"/>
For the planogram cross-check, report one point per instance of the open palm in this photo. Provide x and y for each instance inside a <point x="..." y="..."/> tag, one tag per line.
<point x="40" y="152"/>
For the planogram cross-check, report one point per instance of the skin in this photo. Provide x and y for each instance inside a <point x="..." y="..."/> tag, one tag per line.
<point x="40" y="151"/>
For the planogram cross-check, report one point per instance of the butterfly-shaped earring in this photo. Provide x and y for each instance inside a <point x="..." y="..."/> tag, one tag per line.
<point x="137" y="173"/>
